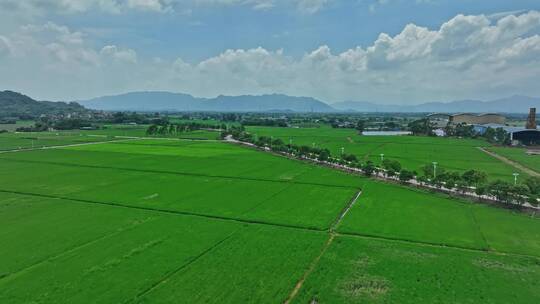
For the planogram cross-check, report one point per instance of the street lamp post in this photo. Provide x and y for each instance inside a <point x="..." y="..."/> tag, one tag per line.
<point x="342" y="150"/>
<point x="382" y="157"/>
<point x="515" y="174"/>
<point x="434" y="169"/>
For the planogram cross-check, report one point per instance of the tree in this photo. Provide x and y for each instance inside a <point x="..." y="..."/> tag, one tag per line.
<point x="422" y="127"/>
<point x="368" y="168"/>
<point x="392" y="165"/>
<point x="474" y="178"/>
<point x="533" y="183"/>
<point x="360" y="125"/>
<point x="405" y="175"/>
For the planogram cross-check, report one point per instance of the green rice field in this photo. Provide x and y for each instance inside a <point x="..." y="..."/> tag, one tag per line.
<point x="200" y="221"/>
<point x="519" y="155"/>
<point x="412" y="152"/>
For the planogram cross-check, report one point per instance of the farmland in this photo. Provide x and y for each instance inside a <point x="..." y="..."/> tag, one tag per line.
<point x="412" y="152"/>
<point x="520" y="156"/>
<point x="157" y="220"/>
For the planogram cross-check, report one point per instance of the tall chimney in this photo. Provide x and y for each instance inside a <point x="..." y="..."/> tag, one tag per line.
<point x="531" y="121"/>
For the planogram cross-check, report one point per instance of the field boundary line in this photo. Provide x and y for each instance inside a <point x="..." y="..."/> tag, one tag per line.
<point x="68" y="145"/>
<point x="473" y="216"/>
<point x="167" y="276"/>
<point x="311" y="268"/>
<point x="430" y="244"/>
<point x="510" y="162"/>
<point x="75" y="248"/>
<point x="174" y="173"/>
<point x="268" y="198"/>
<point x="166" y="211"/>
<point x="344" y="211"/>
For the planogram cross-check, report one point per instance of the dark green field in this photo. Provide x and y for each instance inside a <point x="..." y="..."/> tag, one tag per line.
<point x="183" y="221"/>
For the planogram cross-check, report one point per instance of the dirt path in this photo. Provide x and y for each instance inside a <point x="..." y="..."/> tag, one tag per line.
<point x="331" y="237"/>
<point x="312" y="266"/>
<point x="511" y="162"/>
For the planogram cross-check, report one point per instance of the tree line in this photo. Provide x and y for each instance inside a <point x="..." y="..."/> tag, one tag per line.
<point x="468" y="181"/>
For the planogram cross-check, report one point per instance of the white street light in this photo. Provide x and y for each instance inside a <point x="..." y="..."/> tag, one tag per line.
<point x="434" y="169"/>
<point x="382" y="157"/>
<point x="515" y="177"/>
<point x="342" y="150"/>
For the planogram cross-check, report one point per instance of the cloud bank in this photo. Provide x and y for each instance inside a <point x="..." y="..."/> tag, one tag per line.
<point x="468" y="56"/>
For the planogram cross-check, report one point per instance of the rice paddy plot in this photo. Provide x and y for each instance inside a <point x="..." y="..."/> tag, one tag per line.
<point x="256" y="265"/>
<point x="240" y="197"/>
<point x="519" y="155"/>
<point x="413" y="152"/>
<point x="362" y="270"/>
<point x="109" y="266"/>
<point x="29" y="140"/>
<point x="395" y="212"/>
<point x="190" y="157"/>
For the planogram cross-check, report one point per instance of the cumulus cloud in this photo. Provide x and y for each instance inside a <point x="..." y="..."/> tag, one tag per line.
<point x="467" y="56"/>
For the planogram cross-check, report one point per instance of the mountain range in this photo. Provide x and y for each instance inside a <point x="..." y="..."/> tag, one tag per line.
<point x="167" y="101"/>
<point x="13" y="104"/>
<point x="512" y="104"/>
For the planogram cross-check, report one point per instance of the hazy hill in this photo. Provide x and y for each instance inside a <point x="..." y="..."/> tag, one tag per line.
<point x="163" y="101"/>
<point x="13" y="104"/>
<point x="512" y="104"/>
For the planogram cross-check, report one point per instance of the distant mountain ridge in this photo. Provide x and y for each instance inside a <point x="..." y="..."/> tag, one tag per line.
<point x="13" y="104"/>
<point x="167" y="101"/>
<point x="512" y="104"/>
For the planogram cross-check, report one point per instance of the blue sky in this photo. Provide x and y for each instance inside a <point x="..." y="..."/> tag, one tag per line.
<point x="329" y="49"/>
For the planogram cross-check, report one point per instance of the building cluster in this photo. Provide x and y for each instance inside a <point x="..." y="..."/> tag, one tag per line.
<point x="528" y="135"/>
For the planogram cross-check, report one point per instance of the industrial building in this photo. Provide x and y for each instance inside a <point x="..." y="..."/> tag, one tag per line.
<point x="528" y="135"/>
<point x="482" y="119"/>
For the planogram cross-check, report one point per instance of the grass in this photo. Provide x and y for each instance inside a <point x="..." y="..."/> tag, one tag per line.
<point x="192" y="186"/>
<point x="396" y="212"/>
<point x="77" y="252"/>
<point x="413" y="152"/>
<point x="163" y="221"/>
<point x="28" y="140"/>
<point x="359" y="270"/>
<point x="520" y="156"/>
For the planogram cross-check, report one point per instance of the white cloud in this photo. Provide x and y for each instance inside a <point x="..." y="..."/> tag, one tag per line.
<point x="124" y="55"/>
<point x="36" y="7"/>
<point x="468" y="56"/>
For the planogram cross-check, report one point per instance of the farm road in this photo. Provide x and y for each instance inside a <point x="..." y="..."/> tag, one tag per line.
<point x="511" y="162"/>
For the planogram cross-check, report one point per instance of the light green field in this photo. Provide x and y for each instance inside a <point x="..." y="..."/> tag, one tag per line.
<point x="359" y="270"/>
<point x="28" y="140"/>
<point x="396" y="212"/>
<point x="61" y="251"/>
<point x="412" y="152"/>
<point x="168" y="221"/>
<point x="519" y="155"/>
<point x="140" y="131"/>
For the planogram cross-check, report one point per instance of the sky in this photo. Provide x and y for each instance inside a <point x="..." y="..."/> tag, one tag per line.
<point x="381" y="51"/>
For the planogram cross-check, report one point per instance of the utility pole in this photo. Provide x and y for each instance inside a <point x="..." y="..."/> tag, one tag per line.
<point x="382" y="157"/>
<point x="515" y="174"/>
<point x="434" y="169"/>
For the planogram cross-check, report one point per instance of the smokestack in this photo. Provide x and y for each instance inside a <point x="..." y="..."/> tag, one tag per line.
<point x="531" y="121"/>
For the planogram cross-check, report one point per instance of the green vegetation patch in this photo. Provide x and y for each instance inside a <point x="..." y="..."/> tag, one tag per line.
<point x="396" y="212"/>
<point x="413" y="152"/>
<point x="360" y="270"/>
<point x="519" y="155"/>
